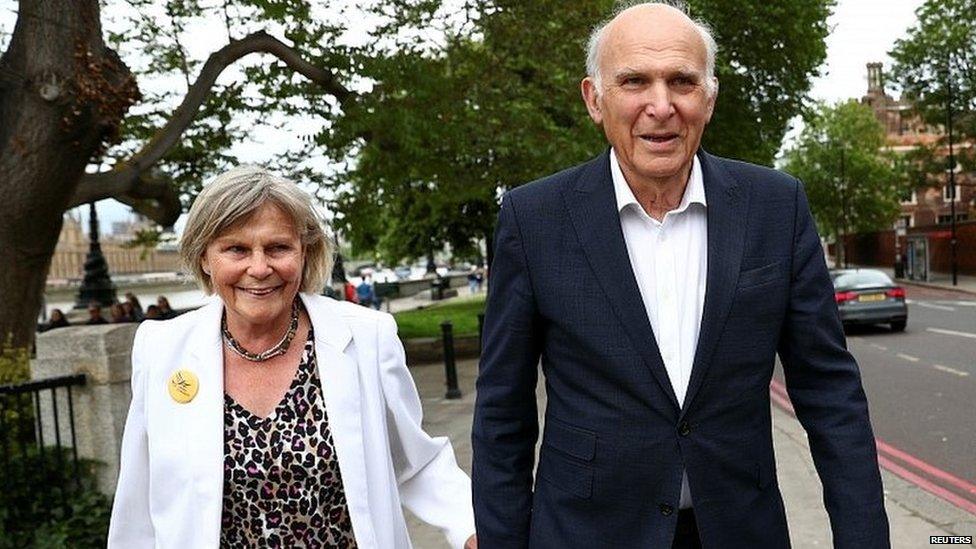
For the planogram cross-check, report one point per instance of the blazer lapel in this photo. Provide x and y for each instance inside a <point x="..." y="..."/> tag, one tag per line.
<point x="339" y="376"/>
<point x="728" y="208"/>
<point x="203" y="421"/>
<point x="592" y="207"/>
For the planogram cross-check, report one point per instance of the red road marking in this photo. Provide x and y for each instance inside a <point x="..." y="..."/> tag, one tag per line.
<point x="909" y="459"/>
<point x="924" y="484"/>
<point x="888" y="455"/>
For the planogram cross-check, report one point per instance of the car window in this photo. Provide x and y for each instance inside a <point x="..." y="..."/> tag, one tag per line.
<point x="861" y="279"/>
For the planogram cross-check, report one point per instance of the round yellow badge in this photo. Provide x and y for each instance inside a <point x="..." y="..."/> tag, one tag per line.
<point x="183" y="386"/>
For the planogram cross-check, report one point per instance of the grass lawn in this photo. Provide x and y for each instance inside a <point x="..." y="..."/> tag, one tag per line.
<point x="426" y="322"/>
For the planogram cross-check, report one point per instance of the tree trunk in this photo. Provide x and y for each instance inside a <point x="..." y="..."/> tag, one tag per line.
<point x="63" y="94"/>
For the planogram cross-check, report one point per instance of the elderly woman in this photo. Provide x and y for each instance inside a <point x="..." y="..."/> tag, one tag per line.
<point x="274" y="417"/>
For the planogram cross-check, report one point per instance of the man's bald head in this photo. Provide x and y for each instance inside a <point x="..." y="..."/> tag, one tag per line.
<point x="663" y="13"/>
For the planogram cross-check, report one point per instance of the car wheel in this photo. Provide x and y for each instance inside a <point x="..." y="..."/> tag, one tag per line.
<point x="898" y="325"/>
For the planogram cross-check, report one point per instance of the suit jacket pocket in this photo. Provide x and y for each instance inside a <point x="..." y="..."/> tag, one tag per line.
<point x="760" y="275"/>
<point x="565" y="456"/>
<point x="574" y="441"/>
<point x="565" y="473"/>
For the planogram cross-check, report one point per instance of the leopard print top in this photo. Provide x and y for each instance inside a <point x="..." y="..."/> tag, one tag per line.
<point x="282" y="486"/>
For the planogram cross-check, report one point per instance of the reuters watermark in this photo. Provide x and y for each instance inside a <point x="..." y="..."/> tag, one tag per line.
<point x="950" y="540"/>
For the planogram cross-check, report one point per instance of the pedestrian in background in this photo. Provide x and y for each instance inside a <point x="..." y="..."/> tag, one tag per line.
<point x="364" y="292"/>
<point x="165" y="311"/>
<point x="95" y="314"/>
<point x="57" y="320"/>
<point x="117" y="313"/>
<point x="134" y="307"/>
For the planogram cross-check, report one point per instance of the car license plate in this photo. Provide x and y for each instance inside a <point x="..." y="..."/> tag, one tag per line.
<point x="871" y="297"/>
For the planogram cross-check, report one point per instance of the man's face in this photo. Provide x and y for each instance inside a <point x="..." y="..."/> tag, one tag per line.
<point x="654" y="100"/>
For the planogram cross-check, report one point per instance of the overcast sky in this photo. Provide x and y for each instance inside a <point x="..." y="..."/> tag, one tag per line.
<point x="863" y="31"/>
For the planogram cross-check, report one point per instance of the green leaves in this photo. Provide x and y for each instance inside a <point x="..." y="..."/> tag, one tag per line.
<point x="939" y="54"/>
<point x="850" y="180"/>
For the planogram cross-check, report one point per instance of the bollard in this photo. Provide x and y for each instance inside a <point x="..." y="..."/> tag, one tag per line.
<point x="450" y="370"/>
<point x="481" y="330"/>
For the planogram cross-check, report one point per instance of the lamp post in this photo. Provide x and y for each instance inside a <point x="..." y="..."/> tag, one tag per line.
<point x="952" y="172"/>
<point x="97" y="285"/>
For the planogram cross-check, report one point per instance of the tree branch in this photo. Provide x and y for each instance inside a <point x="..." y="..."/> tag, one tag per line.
<point x="132" y="183"/>
<point x="150" y="193"/>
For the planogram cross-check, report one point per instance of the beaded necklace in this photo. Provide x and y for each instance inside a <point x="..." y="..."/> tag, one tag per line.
<point x="279" y="349"/>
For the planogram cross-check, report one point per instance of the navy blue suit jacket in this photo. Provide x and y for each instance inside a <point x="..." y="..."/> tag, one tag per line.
<point x="615" y="443"/>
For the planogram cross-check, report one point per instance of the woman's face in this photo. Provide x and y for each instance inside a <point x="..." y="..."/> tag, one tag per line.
<point x="256" y="268"/>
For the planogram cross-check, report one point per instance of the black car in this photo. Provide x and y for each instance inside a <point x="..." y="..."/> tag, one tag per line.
<point x="868" y="296"/>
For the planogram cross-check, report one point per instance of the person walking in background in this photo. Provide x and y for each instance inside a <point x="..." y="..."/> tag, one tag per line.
<point x="656" y="284"/>
<point x="153" y="313"/>
<point x="117" y="312"/>
<point x="57" y="320"/>
<point x="473" y="280"/>
<point x="364" y="292"/>
<point x="165" y="311"/>
<point x="134" y="308"/>
<point x="273" y="416"/>
<point x="349" y="292"/>
<point x="95" y="314"/>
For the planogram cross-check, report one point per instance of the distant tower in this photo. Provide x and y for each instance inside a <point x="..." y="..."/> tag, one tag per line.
<point x="875" y="79"/>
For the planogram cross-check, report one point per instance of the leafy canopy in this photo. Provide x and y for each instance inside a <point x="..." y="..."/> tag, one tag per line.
<point x="450" y="127"/>
<point x="848" y="175"/>
<point x="937" y="55"/>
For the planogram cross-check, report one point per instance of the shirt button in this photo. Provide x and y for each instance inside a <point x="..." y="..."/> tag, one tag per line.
<point x="666" y="509"/>
<point x="684" y="429"/>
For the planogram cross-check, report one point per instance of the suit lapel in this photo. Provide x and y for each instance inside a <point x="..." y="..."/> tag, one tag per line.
<point x="592" y="207"/>
<point x="340" y="380"/>
<point x="203" y="420"/>
<point x="728" y="207"/>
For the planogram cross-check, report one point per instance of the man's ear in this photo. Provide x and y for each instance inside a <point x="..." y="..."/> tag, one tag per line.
<point x="712" y="100"/>
<point x="591" y="96"/>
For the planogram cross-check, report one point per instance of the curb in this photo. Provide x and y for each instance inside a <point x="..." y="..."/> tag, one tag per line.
<point x="934" y="286"/>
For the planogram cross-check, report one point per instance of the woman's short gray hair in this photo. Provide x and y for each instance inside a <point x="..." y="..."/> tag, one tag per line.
<point x="593" y="47"/>
<point x="233" y="197"/>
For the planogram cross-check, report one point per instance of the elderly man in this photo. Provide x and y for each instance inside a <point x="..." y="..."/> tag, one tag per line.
<point x="657" y="283"/>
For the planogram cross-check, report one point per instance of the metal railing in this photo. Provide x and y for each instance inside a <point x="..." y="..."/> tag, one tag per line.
<point x="29" y="412"/>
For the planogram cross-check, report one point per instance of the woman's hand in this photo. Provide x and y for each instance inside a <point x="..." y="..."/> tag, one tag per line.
<point x="472" y="543"/>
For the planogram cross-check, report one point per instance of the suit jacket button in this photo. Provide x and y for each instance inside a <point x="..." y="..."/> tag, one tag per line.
<point x="684" y="429"/>
<point x="666" y="509"/>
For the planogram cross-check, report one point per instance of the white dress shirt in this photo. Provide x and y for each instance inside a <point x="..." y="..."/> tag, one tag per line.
<point x="669" y="258"/>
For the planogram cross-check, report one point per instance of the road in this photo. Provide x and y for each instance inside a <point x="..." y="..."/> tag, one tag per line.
<point x="921" y="388"/>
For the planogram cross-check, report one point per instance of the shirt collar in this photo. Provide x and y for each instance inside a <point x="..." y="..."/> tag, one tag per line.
<point x="694" y="191"/>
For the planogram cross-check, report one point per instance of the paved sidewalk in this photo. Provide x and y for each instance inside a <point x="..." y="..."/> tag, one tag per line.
<point x="915" y="515"/>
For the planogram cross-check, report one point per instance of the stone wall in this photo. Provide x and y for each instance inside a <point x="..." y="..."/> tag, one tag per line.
<point x="102" y="353"/>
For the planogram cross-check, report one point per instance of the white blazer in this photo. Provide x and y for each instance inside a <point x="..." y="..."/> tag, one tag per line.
<point x="170" y="486"/>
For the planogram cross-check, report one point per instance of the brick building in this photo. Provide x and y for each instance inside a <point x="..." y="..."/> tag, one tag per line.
<point x="68" y="261"/>
<point x="928" y="204"/>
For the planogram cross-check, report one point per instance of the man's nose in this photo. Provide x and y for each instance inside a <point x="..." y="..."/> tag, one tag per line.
<point x="658" y="101"/>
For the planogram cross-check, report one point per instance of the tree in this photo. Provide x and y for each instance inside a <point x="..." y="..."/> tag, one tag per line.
<point x="65" y="99"/>
<point x="769" y="52"/>
<point x="449" y="104"/>
<point x="498" y="105"/>
<point x="937" y="56"/>
<point x="849" y="178"/>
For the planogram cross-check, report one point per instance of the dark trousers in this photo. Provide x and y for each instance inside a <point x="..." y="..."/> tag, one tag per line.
<point x="686" y="533"/>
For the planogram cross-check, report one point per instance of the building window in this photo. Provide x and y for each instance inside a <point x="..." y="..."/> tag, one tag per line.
<point x="907" y="221"/>
<point x="909" y="197"/>
<point x="945" y="219"/>
<point x="948" y="194"/>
